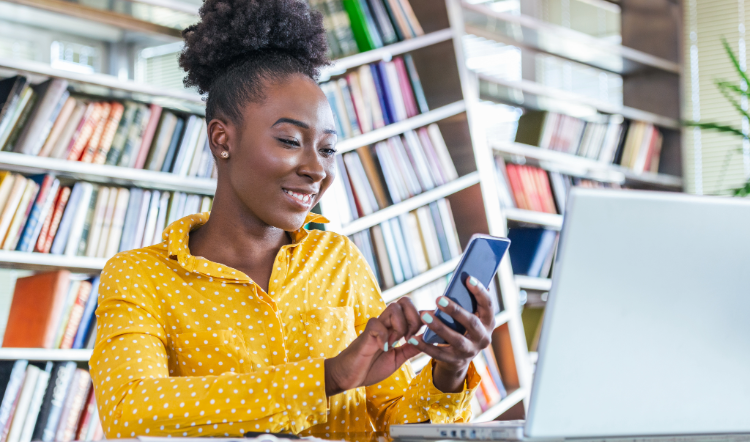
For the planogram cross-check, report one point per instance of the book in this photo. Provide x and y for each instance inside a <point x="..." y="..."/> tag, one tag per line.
<point x="48" y="186"/>
<point x="177" y="135"/>
<point x="363" y="26"/>
<point x="194" y="141"/>
<point x="109" y="213"/>
<point x="22" y="214"/>
<point x="10" y="395"/>
<point x="76" y="313"/>
<point x="378" y="242"/>
<point x="411" y="19"/>
<point x="115" y="232"/>
<point x="403" y="254"/>
<point x="78" y="114"/>
<point x="70" y="300"/>
<point x="60" y="379"/>
<point x="382" y="22"/>
<point x="89" y="150"/>
<point x="88" y="413"/>
<point x="86" y="236"/>
<point x="161" y="217"/>
<point x="110" y="130"/>
<point x="78" y="219"/>
<point x="142" y="218"/>
<point x="97" y="224"/>
<point x="148" y="136"/>
<point x="22" y="406"/>
<point x="42" y="116"/>
<point x="10" y="93"/>
<point x="162" y="140"/>
<point x="11" y="206"/>
<point x="88" y="317"/>
<point x="46" y="238"/>
<point x="20" y="116"/>
<point x="529" y="248"/>
<point x="153" y="214"/>
<point x="392" y="83"/>
<point x="131" y="217"/>
<point x="6" y="184"/>
<point x="57" y="128"/>
<point x="74" y="403"/>
<point x="112" y="157"/>
<point x="134" y="138"/>
<point x="35" y="404"/>
<point x="84" y="131"/>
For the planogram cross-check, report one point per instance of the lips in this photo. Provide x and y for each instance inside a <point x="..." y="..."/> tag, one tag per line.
<point x="303" y="198"/>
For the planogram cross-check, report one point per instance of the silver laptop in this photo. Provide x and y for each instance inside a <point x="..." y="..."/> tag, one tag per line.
<point x="647" y="327"/>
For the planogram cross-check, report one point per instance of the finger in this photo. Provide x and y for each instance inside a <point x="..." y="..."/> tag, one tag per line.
<point x="393" y="318"/>
<point x="404" y="353"/>
<point x="442" y="353"/>
<point x="476" y="331"/>
<point x="375" y="335"/>
<point x="413" y="323"/>
<point x="484" y="301"/>
<point x="460" y="345"/>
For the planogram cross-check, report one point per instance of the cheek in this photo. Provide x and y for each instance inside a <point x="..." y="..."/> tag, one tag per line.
<point x="330" y="177"/>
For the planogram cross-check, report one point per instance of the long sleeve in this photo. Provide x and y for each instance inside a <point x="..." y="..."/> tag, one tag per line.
<point x="403" y="397"/>
<point x="136" y="395"/>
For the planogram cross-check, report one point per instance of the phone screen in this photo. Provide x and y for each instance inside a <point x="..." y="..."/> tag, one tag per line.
<point x="481" y="260"/>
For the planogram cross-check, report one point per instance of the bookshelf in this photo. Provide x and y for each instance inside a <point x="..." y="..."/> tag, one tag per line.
<point x="439" y="60"/>
<point x="648" y="61"/>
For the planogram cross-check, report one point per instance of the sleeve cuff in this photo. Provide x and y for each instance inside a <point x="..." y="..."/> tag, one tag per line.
<point x="309" y="405"/>
<point x="447" y="407"/>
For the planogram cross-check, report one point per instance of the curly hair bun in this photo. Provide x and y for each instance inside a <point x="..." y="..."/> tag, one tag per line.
<point x="232" y="31"/>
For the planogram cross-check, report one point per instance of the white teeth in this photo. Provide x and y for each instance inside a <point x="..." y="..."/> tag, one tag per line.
<point x="301" y="197"/>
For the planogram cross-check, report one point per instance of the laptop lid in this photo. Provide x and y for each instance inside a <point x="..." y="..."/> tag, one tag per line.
<point x="647" y="327"/>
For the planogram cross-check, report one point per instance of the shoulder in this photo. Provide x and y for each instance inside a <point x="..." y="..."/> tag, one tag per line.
<point x="136" y="269"/>
<point x="334" y="245"/>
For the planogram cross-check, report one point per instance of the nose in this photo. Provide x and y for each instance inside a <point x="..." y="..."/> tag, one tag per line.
<point x="311" y="165"/>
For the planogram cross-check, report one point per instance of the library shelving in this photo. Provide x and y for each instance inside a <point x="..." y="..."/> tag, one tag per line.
<point x="437" y="57"/>
<point x="646" y="59"/>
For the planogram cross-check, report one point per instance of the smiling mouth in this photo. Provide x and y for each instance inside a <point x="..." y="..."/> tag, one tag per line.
<point x="304" y="198"/>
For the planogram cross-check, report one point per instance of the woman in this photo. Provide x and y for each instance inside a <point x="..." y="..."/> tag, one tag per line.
<point x="244" y="321"/>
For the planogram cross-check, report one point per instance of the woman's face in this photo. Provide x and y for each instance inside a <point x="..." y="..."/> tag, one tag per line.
<point x="281" y="159"/>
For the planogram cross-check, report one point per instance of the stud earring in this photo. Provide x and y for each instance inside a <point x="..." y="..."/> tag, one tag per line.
<point x="225" y="154"/>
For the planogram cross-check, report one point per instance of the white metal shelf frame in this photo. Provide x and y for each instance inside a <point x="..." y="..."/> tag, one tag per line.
<point x="44" y="354"/>
<point x="575" y="165"/>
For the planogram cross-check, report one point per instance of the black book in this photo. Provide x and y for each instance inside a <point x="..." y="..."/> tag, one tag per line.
<point x="91" y="338"/>
<point x="6" y="367"/>
<point x="621" y="143"/>
<point x="54" y="398"/>
<point x="383" y="22"/>
<point x="173" y="145"/>
<point x="10" y="90"/>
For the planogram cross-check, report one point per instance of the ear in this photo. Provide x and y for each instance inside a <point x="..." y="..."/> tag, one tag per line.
<point x="220" y="137"/>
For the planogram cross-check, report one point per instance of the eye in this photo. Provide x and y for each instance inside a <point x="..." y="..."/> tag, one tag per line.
<point x="289" y="141"/>
<point x="328" y="152"/>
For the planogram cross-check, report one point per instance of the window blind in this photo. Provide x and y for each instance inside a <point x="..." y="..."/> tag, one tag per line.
<point x="714" y="163"/>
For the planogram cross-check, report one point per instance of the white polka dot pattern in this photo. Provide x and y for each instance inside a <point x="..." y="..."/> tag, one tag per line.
<point x="189" y="347"/>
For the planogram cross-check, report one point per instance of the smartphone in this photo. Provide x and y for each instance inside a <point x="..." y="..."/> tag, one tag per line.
<point x="480" y="260"/>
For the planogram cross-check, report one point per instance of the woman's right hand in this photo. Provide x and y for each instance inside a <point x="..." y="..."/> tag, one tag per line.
<point x="371" y="357"/>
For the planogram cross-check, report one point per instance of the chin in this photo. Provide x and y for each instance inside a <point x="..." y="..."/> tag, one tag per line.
<point x="289" y="222"/>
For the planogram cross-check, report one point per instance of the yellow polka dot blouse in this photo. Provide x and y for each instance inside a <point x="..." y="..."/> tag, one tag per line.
<point x="190" y="347"/>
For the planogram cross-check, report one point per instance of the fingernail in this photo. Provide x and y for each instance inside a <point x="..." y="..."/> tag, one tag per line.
<point x="427" y="318"/>
<point x="473" y="281"/>
<point x="394" y="344"/>
<point x="413" y="341"/>
<point x="385" y="347"/>
<point x="443" y="302"/>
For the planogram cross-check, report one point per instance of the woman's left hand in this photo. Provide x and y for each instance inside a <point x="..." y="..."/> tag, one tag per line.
<point x="453" y="358"/>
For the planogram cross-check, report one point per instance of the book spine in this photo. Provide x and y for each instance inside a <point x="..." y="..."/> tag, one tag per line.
<point x="76" y="313"/>
<point x="10" y="397"/>
<point x="110" y="129"/>
<point x="148" y="136"/>
<point x="60" y="205"/>
<point x="93" y="144"/>
<point x="82" y="137"/>
<point x="88" y="315"/>
<point x="121" y="134"/>
<point x="73" y="406"/>
<point x="38" y="213"/>
<point x="36" y="403"/>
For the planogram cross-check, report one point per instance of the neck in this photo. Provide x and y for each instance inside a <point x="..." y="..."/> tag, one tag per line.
<point x="236" y="237"/>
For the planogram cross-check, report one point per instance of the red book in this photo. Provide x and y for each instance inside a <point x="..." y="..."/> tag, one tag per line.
<point x="89" y="412"/>
<point x="90" y="150"/>
<point x="74" y="404"/>
<point x="410" y="103"/>
<point x="76" y="313"/>
<point x="47" y="222"/>
<point x="84" y="132"/>
<point x="62" y="201"/>
<point x="530" y="189"/>
<point x="546" y="191"/>
<point x="516" y="187"/>
<point x="148" y="136"/>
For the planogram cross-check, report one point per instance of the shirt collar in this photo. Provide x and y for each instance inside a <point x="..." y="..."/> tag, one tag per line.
<point x="176" y="236"/>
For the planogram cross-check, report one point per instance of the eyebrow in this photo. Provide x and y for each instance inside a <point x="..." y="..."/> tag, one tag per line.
<point x="301" y="124"/>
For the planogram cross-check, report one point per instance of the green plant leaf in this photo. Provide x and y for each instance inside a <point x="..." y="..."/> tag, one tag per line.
<point x="717" y="127"/>
<point x="743" y="191"/>
<point x="723" y="88"/>
<point x="734" y="60"/>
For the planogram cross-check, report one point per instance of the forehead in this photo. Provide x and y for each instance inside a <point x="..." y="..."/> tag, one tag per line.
<point x="297" y="97"/>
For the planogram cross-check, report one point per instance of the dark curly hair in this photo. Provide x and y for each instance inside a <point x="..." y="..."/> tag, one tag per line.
<point x="239" y="45"/>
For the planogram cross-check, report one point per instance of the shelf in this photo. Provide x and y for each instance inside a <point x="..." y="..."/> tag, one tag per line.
<point x="549" y="220"/>
<point x="170" y="98"/>
<point x="574" y="165"/>
<point x="570" y="98"/>
<point x="420" y="280"/>
<point x="47" y="262"/>
<point x="501" y="407"/>
<point x="385" y="53"/>
<point x="529" y="32"/>
<point x="412" y="203"/>
<point x="400" y="127"/>
<point x="126" y="176"/>
<point x="418" y="362"/>
<point x="44" y="354"/>
<point x="529" y="283"/>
